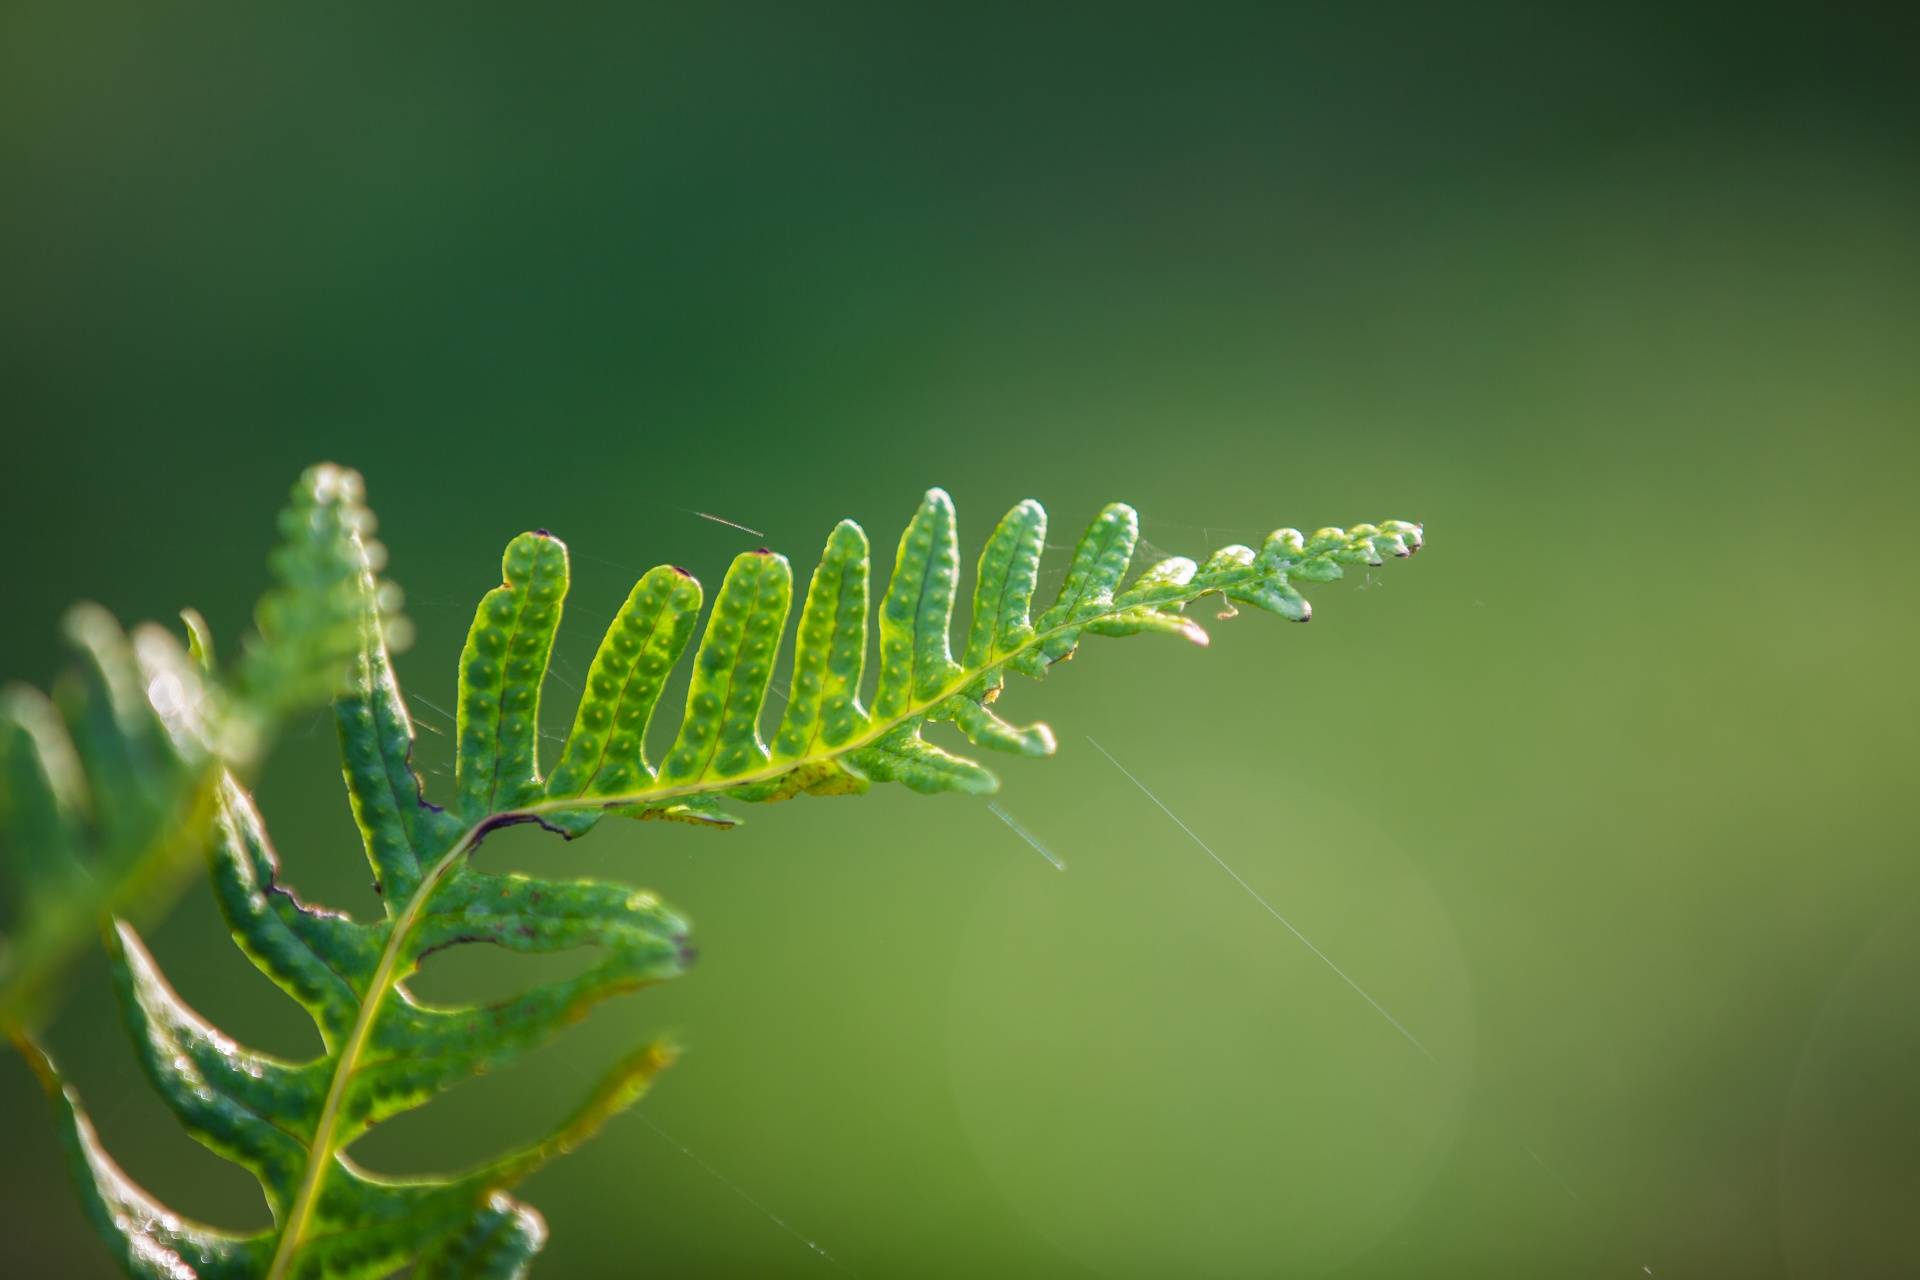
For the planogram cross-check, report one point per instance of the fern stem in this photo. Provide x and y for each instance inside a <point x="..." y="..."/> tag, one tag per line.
<point x="321" y="1153"/>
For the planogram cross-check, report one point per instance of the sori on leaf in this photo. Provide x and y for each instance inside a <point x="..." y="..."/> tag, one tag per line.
<point x="384" y="1051"/>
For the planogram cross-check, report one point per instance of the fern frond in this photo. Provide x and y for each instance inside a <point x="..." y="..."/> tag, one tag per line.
<point x="827" y="743"/>
<point x="292" y="1124"/>
<point x="106" y="788"/>
<point x="384" y="1052"/>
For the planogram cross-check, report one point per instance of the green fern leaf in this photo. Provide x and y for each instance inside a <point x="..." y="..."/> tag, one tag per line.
<point x="500" y="676"/>
<point x="830" y="652"/>
<point x="917" y="613"/>
<point x="720" y="735"/>
<point x="106" y="788"/>
<point x="292" y="1124"/>
<point x="1004" y="583"/>
<point x="606" y="752"/>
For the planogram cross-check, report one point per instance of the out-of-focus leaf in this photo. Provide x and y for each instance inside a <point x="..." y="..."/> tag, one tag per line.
<point x="107" y="786"/>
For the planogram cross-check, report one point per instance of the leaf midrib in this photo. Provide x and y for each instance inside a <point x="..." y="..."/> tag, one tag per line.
<point x="321" y="1153"/>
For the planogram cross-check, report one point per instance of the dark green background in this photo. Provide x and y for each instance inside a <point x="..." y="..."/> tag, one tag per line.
<point x="1608" y="796"/>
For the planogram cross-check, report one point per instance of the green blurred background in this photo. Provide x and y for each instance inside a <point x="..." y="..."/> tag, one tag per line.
<point x="1608" y="797"/>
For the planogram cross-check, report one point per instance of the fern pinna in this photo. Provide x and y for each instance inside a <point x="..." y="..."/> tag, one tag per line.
<point x="292" y="1123"/>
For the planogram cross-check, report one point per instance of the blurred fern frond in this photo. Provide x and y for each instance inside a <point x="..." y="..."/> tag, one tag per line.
<point x="385" y="1051"/>
<point x="107" y="786"/>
